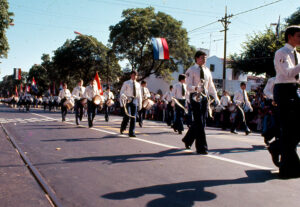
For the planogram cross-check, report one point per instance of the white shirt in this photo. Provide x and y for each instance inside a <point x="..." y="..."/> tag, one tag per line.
<point x="225" y="100"/>
<point x="127" y="90"/>
<point x="268" y="90"/>
<point x="168" y="96"/>
<point x="64" y="93"/>
<point x="177" y="90"/>
<point x="90" y="92"/>
<point x="239" y="98"/>
<point x="78" y="92"/>
<point x="285" y="67"/>
<point x="193" y="81"/>
<point x="108" y="95"/>
<point x="145" y="92"/>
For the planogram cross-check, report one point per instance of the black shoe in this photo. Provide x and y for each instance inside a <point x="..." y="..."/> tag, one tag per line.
<point x="141" y="125"/>
<point x="234" y="132"/>
<point x="121" y="131"/>
<point x="202" y="152"/>
<point x="247" y="132"/>
<point x="186" y="145"/>
<point x="132" y="135"/>
<point x="77" y="122"/>
<point x="179" y="132"/>
<point x="63" y="119"/>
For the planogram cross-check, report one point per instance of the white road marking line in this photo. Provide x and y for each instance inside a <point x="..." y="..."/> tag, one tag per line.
<point x="174" y="147"/>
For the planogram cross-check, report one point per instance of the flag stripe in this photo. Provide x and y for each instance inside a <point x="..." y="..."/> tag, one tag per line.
<point x="166" y="48"/>
<point x="155" y="49"/>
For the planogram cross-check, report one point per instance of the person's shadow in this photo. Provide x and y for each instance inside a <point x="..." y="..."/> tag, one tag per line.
<point x="185" y="194"/>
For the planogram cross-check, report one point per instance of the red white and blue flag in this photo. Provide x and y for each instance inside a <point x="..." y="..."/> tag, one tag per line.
<point x="160" y="49"/>
<point x="33" y="85"/>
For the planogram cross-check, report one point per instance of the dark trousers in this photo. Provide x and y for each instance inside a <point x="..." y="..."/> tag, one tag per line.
<point x="78" y="111"/>
<point x="106" y="111"/>
<point x="142" y="114"/>
<point x="45" y="106"/>
<point x="132" y="110"/>
<point x="286" y="97"/>
<point x="197" y="129"/>
<point x="239" y="120"/>
<point x="179" y="114"/>
<point x="28" y="103"/>
<point x="169" y="114"/>
<point x="225" y="118"/>
<point x="64" y="110"/>
<point x="91" y="111"/>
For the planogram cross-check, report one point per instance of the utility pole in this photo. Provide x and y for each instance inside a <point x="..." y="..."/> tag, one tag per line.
<point x="225" y="24"/>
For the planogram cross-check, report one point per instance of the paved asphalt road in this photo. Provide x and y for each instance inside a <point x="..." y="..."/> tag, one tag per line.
<point x="100" y="167"/>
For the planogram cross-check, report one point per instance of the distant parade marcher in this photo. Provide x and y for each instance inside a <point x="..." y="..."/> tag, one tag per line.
<point x="242" y="101"/>
<point x="287" y="68"/>
<point x="170" y="109"/>
<point x="180" y="94"/>
<point x="64" y="95"/>
<point x="28" y="100"/>
<point x="145" y="95"/>
<point x="45" y="102"/>
<point x="200" y="86"/>
<point x="131" y="100"/>
<point x="225" y="102"/>
<point x="108" y="98"/>
<point x="90" y="92"/>
<point x="77" y="94"/>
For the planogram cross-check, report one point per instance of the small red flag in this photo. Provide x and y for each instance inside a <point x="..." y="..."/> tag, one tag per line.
<point x="98" y="83"/>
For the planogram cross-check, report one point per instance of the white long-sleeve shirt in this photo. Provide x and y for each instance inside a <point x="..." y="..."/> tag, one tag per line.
<point x="225" y="100"/>
<point x="90" y="92"/>
<point x="78" y="92"/>
<point x="285" y="67"/>
<point x="193" y="81"/>
<point x="108" y="95"/>
<point x="168" y="96"/>
<point x="127" y="90"/>
<point x="64" y="93"/>
<point x="177" y="91"/>
<point x="268" y="90"/>
<point x="241" y="97"/>
<point x="145" y="92"/>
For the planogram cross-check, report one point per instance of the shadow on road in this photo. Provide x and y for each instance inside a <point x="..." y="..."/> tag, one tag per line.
<point x="132" y="157"/>
<point x="238" y="149"/>
<point x="187" y="193"/>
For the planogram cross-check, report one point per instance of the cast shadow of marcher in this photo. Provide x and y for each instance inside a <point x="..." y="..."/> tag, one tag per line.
<point x="238" y="149"/>
<point x="187" y="193"/>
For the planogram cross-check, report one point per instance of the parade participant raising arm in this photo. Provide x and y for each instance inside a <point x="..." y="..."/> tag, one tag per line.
<point x="200" y="86"/>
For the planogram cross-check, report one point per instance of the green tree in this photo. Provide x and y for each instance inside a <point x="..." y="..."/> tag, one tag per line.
<point x="294" y="19"/>
<point x="258" y="54"/>
<point x="81" y="58"/>
<point x="9" y="83"/>
<point x="131" y="40"/>
<point x="5" y="21"/>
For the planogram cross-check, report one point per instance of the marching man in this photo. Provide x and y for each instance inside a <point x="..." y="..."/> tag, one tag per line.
<point x="90" y="92"/>
<point x="131" y="100"/>
<point x="64" y="94"/>
<point x="77" y="94"/>
<point x="108" y="97"/>
<point x="145" y="95"/>
<point x="170" y="110"/>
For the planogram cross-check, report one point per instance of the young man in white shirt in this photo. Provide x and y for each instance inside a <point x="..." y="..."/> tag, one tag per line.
<point x="180" y="93"/>
<point x="130" y="95"/>
<point x="108" y="95"/>
<point x="90" y="92"/>
<point x="241" y="100"/>
<point x="77" y="94"/>
<point x="64" y="94"/>
<point x="225" y="103"/>
<point x="170" y="109"/>
<point x="145" y="95"/>
<point x="287" y="68"/>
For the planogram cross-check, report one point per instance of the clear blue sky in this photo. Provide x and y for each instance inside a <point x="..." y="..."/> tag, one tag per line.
<point x="41" y="26"/>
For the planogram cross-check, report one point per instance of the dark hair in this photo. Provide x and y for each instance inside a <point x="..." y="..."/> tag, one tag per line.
<point x="171" y="86"/>
<point x="199" y="53"/>
<point x="291" y="30"/>
<point x="134" y="72"/>
<point x="107" y="87"/>
<point x="143" y="82"/>
<point x="243" y="83"/>
<point x="181" y="77"/>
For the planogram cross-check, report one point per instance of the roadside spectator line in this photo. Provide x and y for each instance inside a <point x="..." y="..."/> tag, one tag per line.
<point x="171" y="147"/>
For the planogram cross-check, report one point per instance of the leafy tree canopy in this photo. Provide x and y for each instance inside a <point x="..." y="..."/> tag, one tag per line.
<point x="5" y="21"/>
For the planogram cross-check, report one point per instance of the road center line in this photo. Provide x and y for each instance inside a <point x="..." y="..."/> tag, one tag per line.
<point x="171" y="147"/>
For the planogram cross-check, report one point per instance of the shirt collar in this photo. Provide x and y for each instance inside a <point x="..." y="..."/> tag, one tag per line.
<point x="290" y="47"/>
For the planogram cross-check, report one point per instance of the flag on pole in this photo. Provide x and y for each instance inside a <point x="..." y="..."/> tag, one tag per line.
<point x="16" y="91"/>
<point x="97" y="78"/>
<point x="33" y="85"/>
<point x="21" y="88"/>
<point x="28" y="88"/>
<point x="19" y="74"/>
<point x="160" y="49"/>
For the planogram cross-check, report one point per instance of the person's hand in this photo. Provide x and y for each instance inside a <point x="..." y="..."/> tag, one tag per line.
<point x="251" y="109"/>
